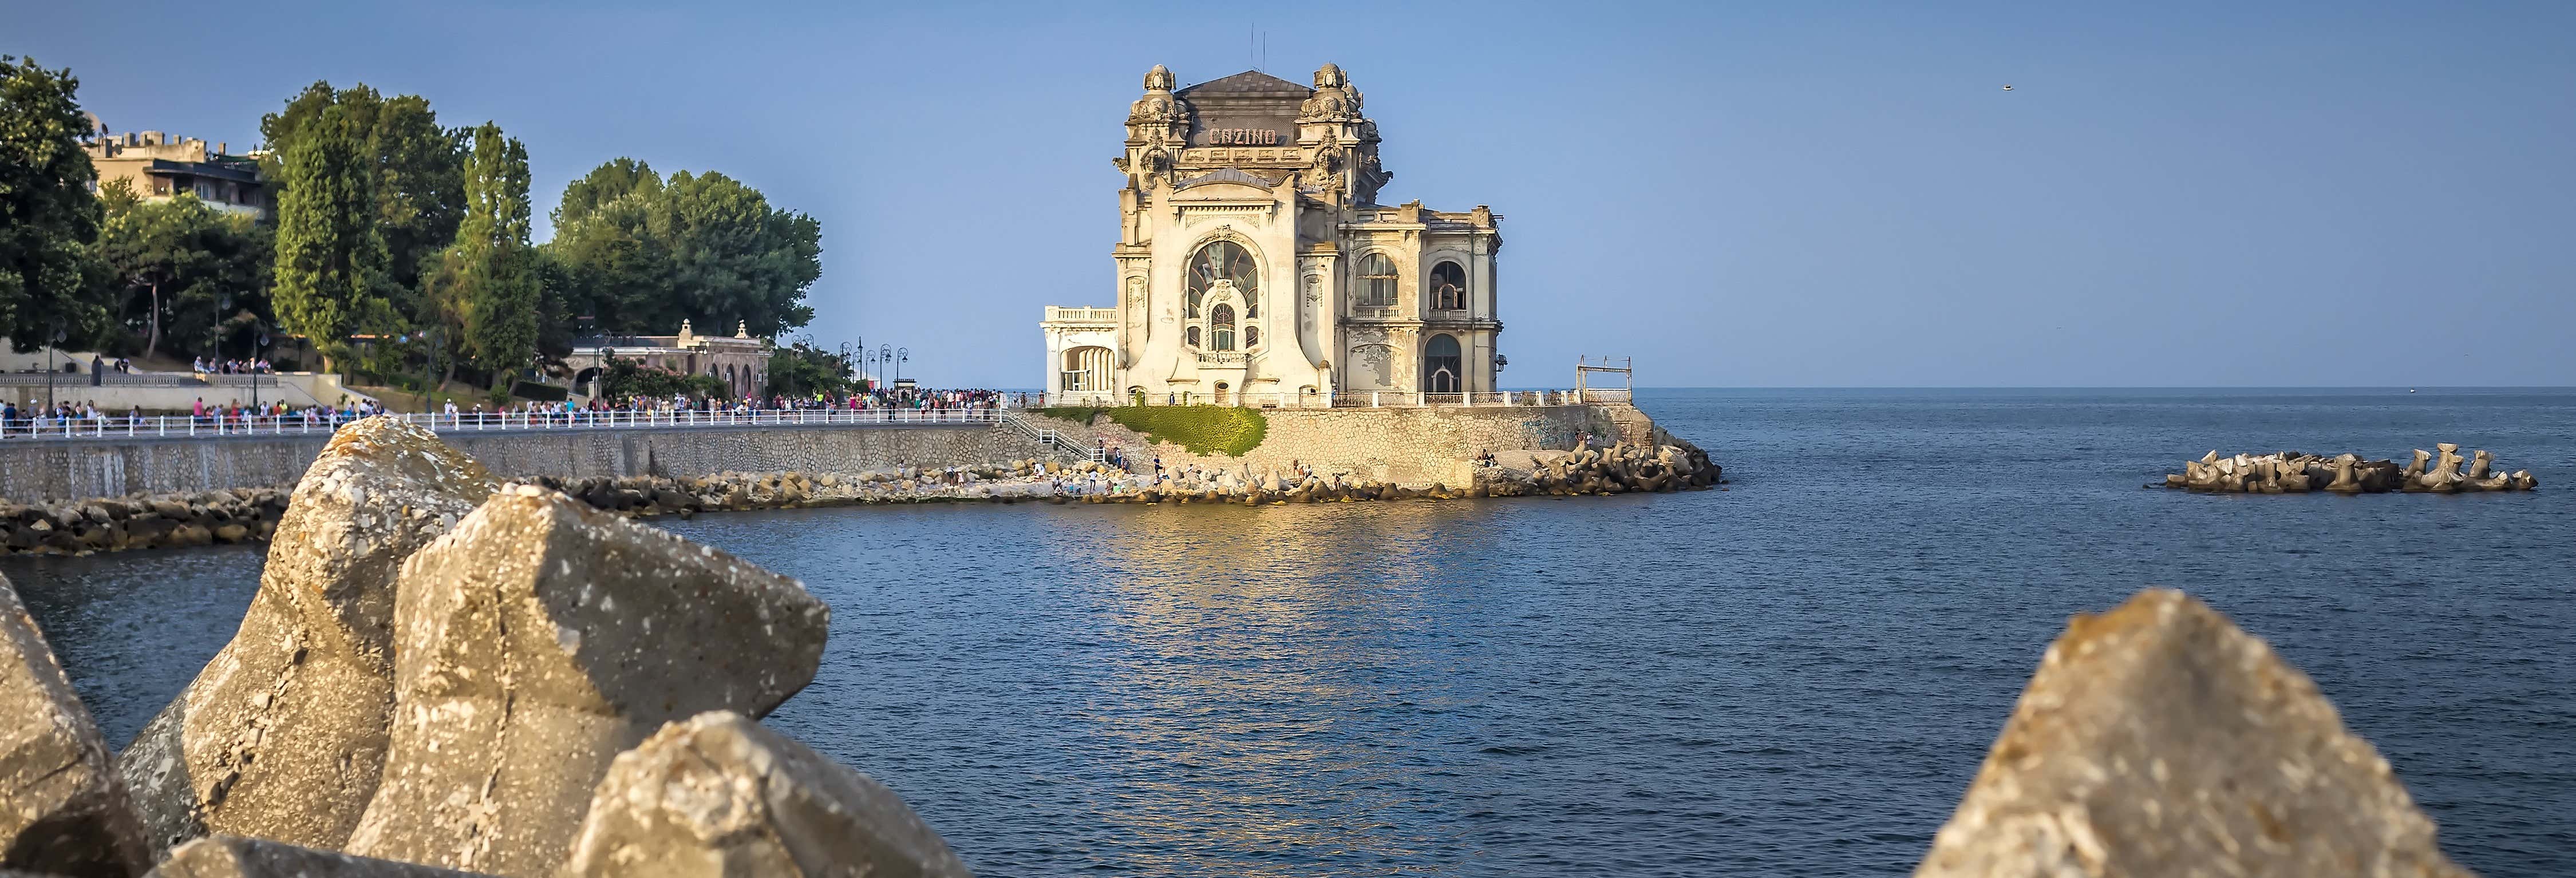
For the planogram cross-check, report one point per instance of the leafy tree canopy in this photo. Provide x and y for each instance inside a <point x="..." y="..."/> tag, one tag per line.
<point x="702" y="247"/>
<point x="624" y="379"/>
<point x="184" y="274"/>
<point x="802" y="370"/>
<point x="418" y="168"/>
<point x="331" y="259"/>
<point x="47" y="214"/>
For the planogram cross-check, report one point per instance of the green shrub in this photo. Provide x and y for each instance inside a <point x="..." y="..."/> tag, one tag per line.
<point x="1079" y="414"/>
<point x="1203" y="429"/>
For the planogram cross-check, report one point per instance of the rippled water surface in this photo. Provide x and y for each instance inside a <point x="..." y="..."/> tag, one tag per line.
<point x="1795" y="676"/>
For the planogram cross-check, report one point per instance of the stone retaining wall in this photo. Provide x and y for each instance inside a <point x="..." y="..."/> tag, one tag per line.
<point x="53" y="470"/>
<point x="1415" y="447"/>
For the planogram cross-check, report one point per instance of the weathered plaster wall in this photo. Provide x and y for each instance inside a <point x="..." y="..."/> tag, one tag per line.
<point x="58" y="470"/>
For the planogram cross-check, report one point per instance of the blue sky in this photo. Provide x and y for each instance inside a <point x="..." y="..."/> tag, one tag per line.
<point x="1736" y="195"/>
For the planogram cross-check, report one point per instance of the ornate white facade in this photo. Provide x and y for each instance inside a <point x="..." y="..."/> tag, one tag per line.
<point x="1255" y="264"/>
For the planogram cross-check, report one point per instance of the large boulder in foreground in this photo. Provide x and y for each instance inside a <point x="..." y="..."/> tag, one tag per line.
<point x="62" y="809"/>
<point x="226" y="856"/>
<point x="540" y="639"/>
<point x="719" y="796"/>
<point x="2157" y="739"/>
<point x="282" y="735"/>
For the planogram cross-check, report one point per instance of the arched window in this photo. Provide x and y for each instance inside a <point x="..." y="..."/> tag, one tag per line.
<point x="1377" y="280"/>
<point x="1441" y="365"/>
<point x="1221" y="260"/>
<point x="1448" y="287"/>
<point x="1221" y="326"/>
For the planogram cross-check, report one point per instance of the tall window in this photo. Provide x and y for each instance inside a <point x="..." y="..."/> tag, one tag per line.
<point x="1222" y="260"/>
<point x="1377" y="280"/>
<point x="1221" y="325"/>
<point x="1441" y="365"/>
<point x="1448" y="287"/>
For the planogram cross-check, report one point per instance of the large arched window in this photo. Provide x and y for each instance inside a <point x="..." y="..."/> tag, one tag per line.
<point x="1221" y="326"/>
<point x="1377" y="281"/>
<point x="1226" y="261"/>
<point x="1448" y="287"/>
<point x="1441" y="365"/>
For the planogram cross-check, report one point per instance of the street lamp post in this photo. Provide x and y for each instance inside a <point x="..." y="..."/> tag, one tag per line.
<point x="900" y="355"/>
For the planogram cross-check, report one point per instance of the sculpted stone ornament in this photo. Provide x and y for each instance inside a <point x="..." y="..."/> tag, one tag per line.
<point x="62" y="808"/>
<point x="718" y="796"/>
<point x="2158" y="739"/>
<point x="282" y="735"/>
<point x="539" y="639"/>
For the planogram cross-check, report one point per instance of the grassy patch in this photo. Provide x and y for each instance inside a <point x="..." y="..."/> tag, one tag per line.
<point x="1203" y="429"/>
<point x="1079" y="414"/>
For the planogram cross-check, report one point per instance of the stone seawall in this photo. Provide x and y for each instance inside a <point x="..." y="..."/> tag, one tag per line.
<point x="1414" y="447"/>
<point x="50" y="470"/>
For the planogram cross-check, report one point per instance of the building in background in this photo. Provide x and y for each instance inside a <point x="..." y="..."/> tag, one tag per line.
<point x="741" y="362"/>
<point x="1255" y="264"/>
<point x="161" y="167"/>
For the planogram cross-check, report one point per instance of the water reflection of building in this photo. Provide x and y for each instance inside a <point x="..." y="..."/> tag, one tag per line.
<point x="1281" y="647"/>
<point x="741" y="362"/>
<point x="1255" y="260"/>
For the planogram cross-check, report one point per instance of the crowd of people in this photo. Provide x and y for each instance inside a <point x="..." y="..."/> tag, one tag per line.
<point x="227" y="417"/>
<point x="35" y="418"/>
<point x="208" y="366"/>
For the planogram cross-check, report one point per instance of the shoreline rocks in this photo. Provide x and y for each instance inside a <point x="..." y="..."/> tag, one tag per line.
<point x="541" y="638"/>
<point x="282" y="735"/>
<point x="2159" y="739"/>
<point x="62" y="809"/>
<point x="2290" y="472"/>
<point x="437" y="675"/>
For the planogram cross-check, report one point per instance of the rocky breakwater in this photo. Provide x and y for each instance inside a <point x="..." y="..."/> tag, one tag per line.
<point x="2159" y="739"/>
<point x="2290" y="472"/>
<point x="141" y="521"/>
<point x="444" y="676"/>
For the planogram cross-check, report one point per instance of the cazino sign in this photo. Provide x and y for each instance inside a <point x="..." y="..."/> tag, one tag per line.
<point x="1242" y="137"/>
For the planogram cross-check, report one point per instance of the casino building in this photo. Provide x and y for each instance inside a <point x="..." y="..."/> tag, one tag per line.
<point x="1256" y="266"/>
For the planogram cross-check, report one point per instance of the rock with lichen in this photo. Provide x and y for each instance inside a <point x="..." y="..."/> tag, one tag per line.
<point x="719" y="796"/>
<point x="536" y="642"/>
<point x="282" y="735"/>
<point x="2158" y="739"/>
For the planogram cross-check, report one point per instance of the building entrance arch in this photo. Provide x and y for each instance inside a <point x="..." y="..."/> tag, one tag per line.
<point x="1443" y="369"/>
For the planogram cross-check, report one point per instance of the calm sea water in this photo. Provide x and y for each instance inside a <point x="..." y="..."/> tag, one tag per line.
<point x="1795" y="676"/>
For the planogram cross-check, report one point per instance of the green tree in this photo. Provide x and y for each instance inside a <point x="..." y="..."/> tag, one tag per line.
<point x="418" y="168"/>
<point x="624" y="379"/>
<point x="496" y="270"/>
<point x="47" y="214"/>
<point x="801" y="370"/>
<point x="604" y="184"/>
<point x="643" y="256"/>
<point x="331" y="262"/>
<point x="185" y="271"/>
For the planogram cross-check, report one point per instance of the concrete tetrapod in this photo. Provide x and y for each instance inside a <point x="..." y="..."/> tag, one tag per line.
<point x="540" y="639"/>
<point x="62" y="810"/>
<point x="282" y="735"/>
<point x="2157" y="739"/>
<point x="228" y="856"/>
<point x="719" y="796"/>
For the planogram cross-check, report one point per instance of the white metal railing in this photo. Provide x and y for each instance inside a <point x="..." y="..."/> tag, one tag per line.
<point x="209" y="426"/>
<point x="1346" y="399"/>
